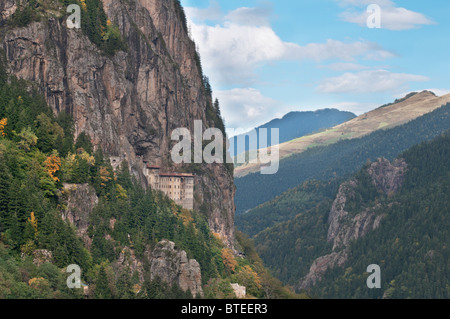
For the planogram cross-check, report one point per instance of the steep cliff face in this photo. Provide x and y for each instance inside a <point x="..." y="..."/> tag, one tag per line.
<point x="172" y="265"/>
<point x="168" y="263"/>
<point x="7" y="8"/>
<point x="80" y="200"/>
<point x="165" y="261"/>
<point x="346" y="227"/>
<point x="129" y="103"/>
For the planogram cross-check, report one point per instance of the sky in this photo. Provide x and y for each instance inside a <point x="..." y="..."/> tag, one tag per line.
<point x="266" y="58"/>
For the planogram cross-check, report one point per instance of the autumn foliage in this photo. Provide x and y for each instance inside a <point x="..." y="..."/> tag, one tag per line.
<point x="228" y="259"/>
<point x="53" y="164"/>
<point x="3" y="123"/>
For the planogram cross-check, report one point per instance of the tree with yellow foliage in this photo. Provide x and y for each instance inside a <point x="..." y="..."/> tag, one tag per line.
<point x="83" y="5"/>
<point x="30" y="234"/>
<point x="3" y="123"/>
<point x="228" y="259"/>
<point x="34" y="223"/>
<point x="105" y="176"/>
<point x="250" y="279"/>
<point x="53" y="164"/>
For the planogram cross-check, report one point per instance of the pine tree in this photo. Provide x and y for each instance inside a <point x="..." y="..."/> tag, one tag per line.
<point x="102" y="289"/>
<point x="5" y="181"/>
<point x="124" y="285"/>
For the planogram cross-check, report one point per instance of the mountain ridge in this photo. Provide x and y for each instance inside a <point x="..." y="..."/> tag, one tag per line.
<point x="338" y="159"/>
<point x="296" y="124"/>
<point x="384" y="117"/>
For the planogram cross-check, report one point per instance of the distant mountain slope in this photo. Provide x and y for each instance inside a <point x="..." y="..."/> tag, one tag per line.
<point x="387" y="116"/>
<point x="338" y="159"/>
<point x="411" y="243"/>
<point x="298" y="124"/>
<point x="394" y="214"/>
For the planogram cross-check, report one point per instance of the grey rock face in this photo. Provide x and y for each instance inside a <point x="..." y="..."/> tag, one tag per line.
<point x="7" y="8"/>
<point x="320" y="266"/>
<point x="386" y="176"/>
<point x="344" y="228"/>
<point x="81" y="199"/>
<point x="173" y="266"/>
<point x="130" y="103"/>
<point x="42" y="256"/>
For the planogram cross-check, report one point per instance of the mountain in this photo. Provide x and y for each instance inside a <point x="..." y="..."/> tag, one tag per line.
<point x="128" y="98"/>
<point x="84" y="114"/>
<point x="338" y="159"/>
<point x="390" y="213"/>
<point x="387" y="116"/>
<point x="297" y="124"/>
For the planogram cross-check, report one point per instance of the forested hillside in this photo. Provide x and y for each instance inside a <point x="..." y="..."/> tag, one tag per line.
<point x="411" y="244"/>
<point x="339" y="159"/>
<point x="38" y="159"/>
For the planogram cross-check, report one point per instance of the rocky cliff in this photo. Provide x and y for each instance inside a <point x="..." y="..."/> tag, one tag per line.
<point x="79" y="201"/>
<point x="168" y="263"/>
<point x="128" y="103"/>
<point x="165" y="261"/>
<point x="345" y="226"/>
<point x="172" y="265"/>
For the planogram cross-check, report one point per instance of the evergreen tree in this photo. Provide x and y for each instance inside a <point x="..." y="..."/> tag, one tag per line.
<point x="102" y="289"/>
<point x="5" y="181"/>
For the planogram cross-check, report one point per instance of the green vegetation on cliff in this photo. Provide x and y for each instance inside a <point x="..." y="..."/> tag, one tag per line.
<point x="38" y="157"/>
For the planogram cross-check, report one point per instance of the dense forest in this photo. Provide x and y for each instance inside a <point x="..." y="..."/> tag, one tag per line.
<point x="339" y="159"/>
<point x="38" y="156"/>
<point x="286" y="206"/>
<point x="411" y="244"/>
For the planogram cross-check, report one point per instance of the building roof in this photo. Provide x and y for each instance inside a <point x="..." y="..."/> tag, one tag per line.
<point x="176" y="175"/>
<point x="169" y="174"/>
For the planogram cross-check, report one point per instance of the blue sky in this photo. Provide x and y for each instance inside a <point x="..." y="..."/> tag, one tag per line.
<point x="265" y="58"/>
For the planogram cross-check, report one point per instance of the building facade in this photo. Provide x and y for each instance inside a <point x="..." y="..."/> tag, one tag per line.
<point x="177" y="186"/>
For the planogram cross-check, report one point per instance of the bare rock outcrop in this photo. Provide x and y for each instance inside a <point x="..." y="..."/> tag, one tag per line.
<point x="320" y="266"/>
<point x="344" y="227"/>
<point x="386" y="176"/>
<point x="239" y="291"/>
<point x="166" y="262"/>
<point x="171" y="265"/>
<point x="42" y="256"/>
<point x="80" y="200"/>
<point x="7" y="8"/>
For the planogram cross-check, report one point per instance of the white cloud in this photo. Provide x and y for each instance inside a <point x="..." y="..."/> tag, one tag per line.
<point x="392" y="17"/>
<point x="250" y="16"/>
<point x="369" y="82"/>
<point x="245" y="109"/>
<point x="211" y="13"/>
<point x="233" y="51"/>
